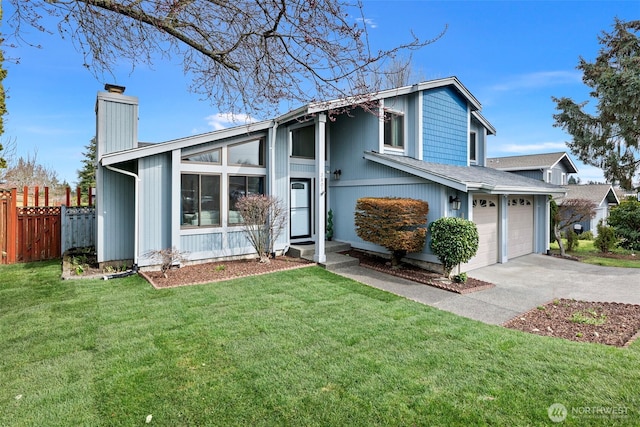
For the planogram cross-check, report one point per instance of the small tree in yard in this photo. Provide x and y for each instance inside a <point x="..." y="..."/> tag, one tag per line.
<point x="625" y="219"/>
<point x="454" y="241"/>
<point x="606" y="239"/>
<point x="569" y="212"/>
<point x="264" y="220"/>
<point x="397" y="224"/>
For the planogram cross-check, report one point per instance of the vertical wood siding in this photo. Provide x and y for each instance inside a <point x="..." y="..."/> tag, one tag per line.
<point x="117" y="213"/>
<point x="445" y="130"/>
<point x="155" y="203"/>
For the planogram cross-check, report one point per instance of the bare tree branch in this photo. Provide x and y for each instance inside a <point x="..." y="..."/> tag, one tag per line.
<point x="252" y="56"/>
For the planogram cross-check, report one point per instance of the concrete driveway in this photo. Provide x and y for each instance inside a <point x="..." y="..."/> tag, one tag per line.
<point x="521" y="284"/>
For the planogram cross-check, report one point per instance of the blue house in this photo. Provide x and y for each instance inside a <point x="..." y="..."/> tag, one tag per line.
<point x="554" y="168"/>
<point x="426" y="141"/>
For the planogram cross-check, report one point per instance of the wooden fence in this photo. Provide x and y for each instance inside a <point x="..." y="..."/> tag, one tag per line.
<point x="31" y="232"/>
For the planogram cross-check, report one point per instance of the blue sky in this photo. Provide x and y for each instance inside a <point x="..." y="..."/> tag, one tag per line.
<point x="512" y="55"/>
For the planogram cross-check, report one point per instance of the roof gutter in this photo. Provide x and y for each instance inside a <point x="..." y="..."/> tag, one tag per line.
<point x="136" y="212"/>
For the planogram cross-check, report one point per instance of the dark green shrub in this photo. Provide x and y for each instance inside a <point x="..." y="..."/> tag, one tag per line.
<point x="453" y="241"/>
<point x="330" y="224"/>
<point x="460" y="278"/>
<point x="395" y="223"/>
<point x="572" y="240"/>
<point x="606" y="239"/>
<point x="553" y="214"/>
<point x="625" y="219"/>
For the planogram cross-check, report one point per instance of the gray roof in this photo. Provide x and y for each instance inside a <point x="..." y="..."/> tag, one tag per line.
<point x="467" y="178"/>
<point x="532" y="161"/>
<point x="597" y="193"/>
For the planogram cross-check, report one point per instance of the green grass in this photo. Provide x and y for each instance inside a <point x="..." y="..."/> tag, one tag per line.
<point x="589" y="254"/>
<point x="302" y="347"/>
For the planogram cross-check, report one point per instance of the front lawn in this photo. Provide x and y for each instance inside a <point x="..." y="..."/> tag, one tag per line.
<point x="586" y="252"/>
<point x="302" y="348"/>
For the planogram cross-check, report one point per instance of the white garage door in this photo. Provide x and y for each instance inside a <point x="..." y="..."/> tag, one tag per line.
<point x="519" y="226"/>
<point x="485" y="215"/>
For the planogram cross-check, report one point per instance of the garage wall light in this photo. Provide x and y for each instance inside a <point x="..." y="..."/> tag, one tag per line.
<point x="455" y="202"/>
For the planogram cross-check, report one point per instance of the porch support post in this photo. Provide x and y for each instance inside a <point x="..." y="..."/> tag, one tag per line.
<point x="320" y="190"/>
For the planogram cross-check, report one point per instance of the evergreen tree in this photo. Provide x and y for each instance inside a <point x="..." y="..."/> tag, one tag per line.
<point x="87" y="175"/>
<point x="610" y="138"/>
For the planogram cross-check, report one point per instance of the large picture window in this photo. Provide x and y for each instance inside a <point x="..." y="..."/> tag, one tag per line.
<point x="303" y="142"/>
<point x="200" y="205"/>
<point x="393" y="130"/>
<point x="247" y="153"/>
<point x="242" y="186"/>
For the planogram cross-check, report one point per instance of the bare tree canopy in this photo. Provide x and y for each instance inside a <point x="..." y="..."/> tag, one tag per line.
<point x="247" y="55"/>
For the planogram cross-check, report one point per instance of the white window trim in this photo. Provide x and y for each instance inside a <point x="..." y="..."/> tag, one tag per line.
<point x="475" y="160"/>
<point x="387" y="148"/>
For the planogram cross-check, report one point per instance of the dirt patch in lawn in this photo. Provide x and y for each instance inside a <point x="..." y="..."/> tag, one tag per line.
<point x="221" y="270"/>
<point x="596" y="322"/>
<point x="417" y="274"/>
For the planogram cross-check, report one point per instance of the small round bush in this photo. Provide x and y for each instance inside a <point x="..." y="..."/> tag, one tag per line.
<point x="453" y="241"/>
<point x="572" y="240"/>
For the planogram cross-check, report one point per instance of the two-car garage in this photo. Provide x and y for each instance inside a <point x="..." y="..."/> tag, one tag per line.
<point x="487" y="215"/>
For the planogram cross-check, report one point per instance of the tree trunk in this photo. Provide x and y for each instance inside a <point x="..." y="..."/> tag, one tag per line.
<point x="556" y="232"/>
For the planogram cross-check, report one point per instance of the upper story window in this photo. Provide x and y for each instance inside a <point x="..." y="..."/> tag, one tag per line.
<point x="212" y="156"/>
<point x="549" y="176"/>
<point x="393" y="130"/>
<point x="247" y="153"/>
<point x="473" y="148"/>
<point x="303" y="142"/>
<point x="564" y="179"/>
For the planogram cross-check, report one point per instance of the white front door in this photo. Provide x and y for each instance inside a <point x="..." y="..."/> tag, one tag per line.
<point x="300" y="218"/>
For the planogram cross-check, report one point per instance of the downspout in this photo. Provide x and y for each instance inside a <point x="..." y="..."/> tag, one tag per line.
<point x="136" y="211"/>
<point x="272" y="169"/>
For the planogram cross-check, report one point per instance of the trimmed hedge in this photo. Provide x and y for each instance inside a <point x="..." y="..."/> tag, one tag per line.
<point x="397" y="224"/>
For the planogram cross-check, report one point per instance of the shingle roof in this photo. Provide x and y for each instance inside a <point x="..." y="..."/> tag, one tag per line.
<point x="467" y="178"/>
<point x="594" y="192"/>
<point x="532" y="161"/>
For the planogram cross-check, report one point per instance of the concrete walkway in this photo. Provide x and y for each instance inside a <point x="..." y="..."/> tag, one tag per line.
<point x="521" y="284"/>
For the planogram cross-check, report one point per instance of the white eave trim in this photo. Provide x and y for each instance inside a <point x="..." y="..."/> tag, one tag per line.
<point x="163" y="147"/>
<point x="484" y="122"/>
<point x="440" y="179"/>
<point x="318" y="107"/>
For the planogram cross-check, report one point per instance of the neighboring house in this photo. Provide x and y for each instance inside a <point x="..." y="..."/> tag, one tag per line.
<point x="427" y="142"/>
<point x="553" y="168"/>
<point x="604" y="197"/>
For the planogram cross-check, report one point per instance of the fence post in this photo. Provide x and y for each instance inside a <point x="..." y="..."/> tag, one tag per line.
<point x="78" y="196"/>
<point x="12" y="224"/>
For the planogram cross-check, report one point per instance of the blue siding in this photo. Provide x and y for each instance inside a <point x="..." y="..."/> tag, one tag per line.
<point x="534" y="174"/>
<point x="155" y="203"/>
<point x="116" y="211"/>
<point x="352" y="135"/>
<point x="343" y="203"/>
<point x="445" y="127"/>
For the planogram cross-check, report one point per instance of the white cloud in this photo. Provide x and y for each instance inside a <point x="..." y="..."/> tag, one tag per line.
<point x="224" y="120"/>
<point x="368" y="22"/>
<point x="539" y="79"/>
<point x="541" y="147"/>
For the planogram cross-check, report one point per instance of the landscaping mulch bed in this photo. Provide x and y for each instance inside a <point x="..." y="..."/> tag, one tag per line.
<point x="417" y="274"/>
<point x="219" y="271"/>
<point x="595" y="322"/>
